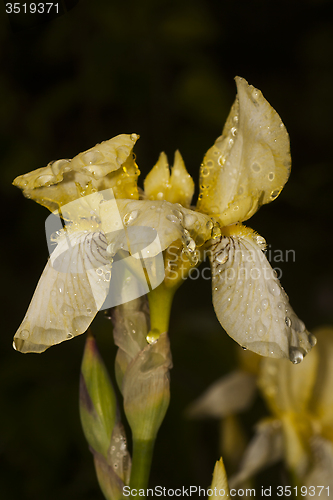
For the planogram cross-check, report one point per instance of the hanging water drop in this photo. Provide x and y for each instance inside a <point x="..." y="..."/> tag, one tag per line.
<point x="295" y="355"/>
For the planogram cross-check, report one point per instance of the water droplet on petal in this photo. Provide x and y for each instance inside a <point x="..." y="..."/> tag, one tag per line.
<point x="295" y="355"/>
<point x="24" y="334"/>
<point x="189" y="220"/>
<point x="70" y="336"/>
<point x="287" y="321"/>
<point x="312" y="339"/>
<point x="172" y="218"/>
<point x="61" y="286"/>
<point x="274" y="288"/>
<point x="264" y="304"/>
<point x="260" y="328"/>
<point x="222" y="258"/>
<point x="255" y="167"/>
<point x="275" y="193"/>
<point x="271" y="176"/>
<point x="130" y="217"/>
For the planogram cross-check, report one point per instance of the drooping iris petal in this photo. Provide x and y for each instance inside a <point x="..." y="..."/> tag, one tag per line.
<point x="72" y="288"/>
<point x="322" y="398"/>
<point x="264" y="450"/>
<point x="109" y="164"/>
<point x="228" y="395"/>
<point x="249" y="301"/>
<point x="249" y="163"/>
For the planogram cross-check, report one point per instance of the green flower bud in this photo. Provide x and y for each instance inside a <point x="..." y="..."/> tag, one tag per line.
<point x="146" y="389"/>
<point x="98" y="406"/>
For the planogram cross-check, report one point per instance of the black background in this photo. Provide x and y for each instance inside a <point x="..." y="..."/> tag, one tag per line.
<point x="163" y="70"/>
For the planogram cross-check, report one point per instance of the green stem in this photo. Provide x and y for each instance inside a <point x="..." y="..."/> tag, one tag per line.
<point x="141" y="463"/>
<point x="160" y="302"/>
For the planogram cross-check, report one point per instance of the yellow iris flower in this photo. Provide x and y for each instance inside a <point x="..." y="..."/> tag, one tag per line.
<point x="246" y="167"/>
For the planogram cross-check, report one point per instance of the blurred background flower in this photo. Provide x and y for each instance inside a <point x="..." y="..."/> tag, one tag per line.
<point x="165" y="71"/>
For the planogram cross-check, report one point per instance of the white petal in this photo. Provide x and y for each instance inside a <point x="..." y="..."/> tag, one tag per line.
<point x="230" y="394"/>
<point x="72" y="288"/>
<point x="288" y="388"/>
<point x="322" y="401"/>
<point x="249" y="301"/>
<point x="264" y="450"/>
<point x="169" y="221"/>
<point x="249" y="164"/>
<point x="322" y="472"/>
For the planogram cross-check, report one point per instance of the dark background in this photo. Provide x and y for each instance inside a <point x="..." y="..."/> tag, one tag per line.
<point x="163" y="70"/>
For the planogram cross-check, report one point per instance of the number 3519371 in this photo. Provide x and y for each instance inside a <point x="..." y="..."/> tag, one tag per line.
<point x="32" y="8"/>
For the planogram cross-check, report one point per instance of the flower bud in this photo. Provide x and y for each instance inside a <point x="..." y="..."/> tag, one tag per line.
<point x="220" y="483"/>
<point x="146" y="389"/>
<point x="98" y="406"/>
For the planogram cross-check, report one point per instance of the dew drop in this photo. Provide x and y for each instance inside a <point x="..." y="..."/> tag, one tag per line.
<point x="271" y="176"/>
<point x="210" y="225"/>
<point x="24" y="334"/>
<point x="66" y="309"/>
<point x="204" y="171"/>
<point x="274" y="288"/>
<point x="295" y="355"/>
<point x="222" y="258"/>
<point x="190" y="245"/>
<point x="264" y="304"/>
<point x="312" y="339"/>
<point x="221" y="160"/>
<point x="260" y="328"/>
<point x="274" y="194"/>
<point x="189" y="220"/>
<point x="130" y="217"/>
<point x="216" y="232"/>
<point x="256" y="167"/>
<point x="261" y="242"/>
<point x="70" y="336"/>
<point x="172" y="218"/>
<point x="255" y="94"/>
<point x="287" y="321"/>
<point x="61" y="286"/>
<point x="89" y="310"/>
<point x="244" y="348"/>
<point x="91" y="157"/>
<point x="233" y="131"/>
<point x="281" y="306"/>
